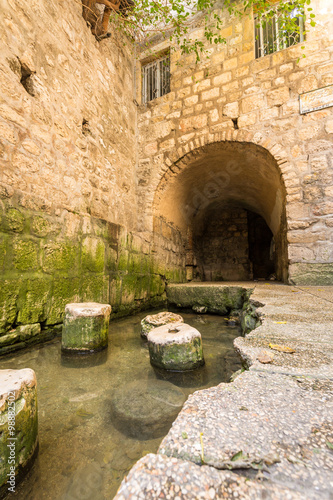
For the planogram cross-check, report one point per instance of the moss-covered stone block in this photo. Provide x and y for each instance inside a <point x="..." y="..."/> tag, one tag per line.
<point x="25" y="256"/>
<point x="94" y="288"/>
<point x="311" y="273"/>
<point x="3" y="251"/>
<point x="93" y="254"/>
<point x="142" y="288"/>
<point x="115" y="292"/>
<point x="135" y="263"/>
<point x="86" y="327"/>
<point x="14" y="220"/>
<point x="9" y="291"/>
<point x="157" y="285"/>
<point x="34" y="300"/>
<point x="175" y="347"/>
<point x="59" y="257"/>
<point x="218" y="299"/>
<point x="123" y="260"/>
<point x="128" y="290"/>
<point x="18" y="425"/>
<point x="20" y="334"/>
<point x="64" y="291"/>
<point x="111" y="259"/>
<point x="41" y="226"/>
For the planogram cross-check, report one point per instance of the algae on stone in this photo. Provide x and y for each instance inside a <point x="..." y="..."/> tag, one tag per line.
<point x="86" y="327"/>
<point x="18" y="397"/>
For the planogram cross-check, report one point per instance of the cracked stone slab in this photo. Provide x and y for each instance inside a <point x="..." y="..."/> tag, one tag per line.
<point x="157" y="476"/>
<point x="260" y="421"/>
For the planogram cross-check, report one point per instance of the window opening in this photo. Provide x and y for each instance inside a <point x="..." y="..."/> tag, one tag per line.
<point x="156" y="79"/>
<point x="272" y="36"/>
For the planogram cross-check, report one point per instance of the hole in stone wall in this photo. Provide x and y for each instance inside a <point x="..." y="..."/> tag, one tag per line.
<point x="85" y="127"/>
<point x="27" y="79"/>
<point x="235" y="121"/>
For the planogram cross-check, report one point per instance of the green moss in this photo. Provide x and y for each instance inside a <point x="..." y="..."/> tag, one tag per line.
<point x="135" y="263"/>
<point x="25" y="255"/>
<point x="9" y="290"/>
<point x="14" y="220"/>
<point x="3" y="251"/>
<point x="94" y="288"/>
<point x="85" y="334"/>
<point x="217" y="299"/>
<point x="33" y="301"/>
<point x="41" y="226"/>
<point x="128" y="290"/>
<point x="111" y="259"/>
<point x="64" y="292"/>
<point x="178" y="357"/>
<point x="115" y="292"/>
<point x="93" y="255"/>
<point x="59" y="257"/>
<point x="123" y="261"/>
<point x="25" y="433"/>
<point x="157" y="285"/>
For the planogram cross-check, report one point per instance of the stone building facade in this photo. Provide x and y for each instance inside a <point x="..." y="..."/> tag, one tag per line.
<point x="105" y="198"/>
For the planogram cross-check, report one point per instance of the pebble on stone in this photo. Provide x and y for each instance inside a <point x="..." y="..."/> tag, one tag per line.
<point x="18" y="424"/>
<point x="175" y="347"/>
<point x="155" y="320"/>
<point x="86" y="327"/>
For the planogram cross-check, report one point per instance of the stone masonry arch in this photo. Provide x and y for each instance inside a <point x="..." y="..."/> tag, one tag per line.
<point x="217" y="173"/>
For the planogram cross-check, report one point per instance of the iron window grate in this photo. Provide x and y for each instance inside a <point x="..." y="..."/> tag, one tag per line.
<point x="155" y="79"/>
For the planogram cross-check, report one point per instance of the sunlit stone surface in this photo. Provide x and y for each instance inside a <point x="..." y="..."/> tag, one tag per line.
<point x="155" y="320"/>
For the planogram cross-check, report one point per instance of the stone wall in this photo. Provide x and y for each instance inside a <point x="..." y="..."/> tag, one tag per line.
<point x="68" y="153"/>
<point x="221" y="246"/>
<point x="233" y="97"/>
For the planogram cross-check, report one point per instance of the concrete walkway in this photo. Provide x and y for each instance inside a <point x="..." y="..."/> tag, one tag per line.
<point x="268" y="434"/>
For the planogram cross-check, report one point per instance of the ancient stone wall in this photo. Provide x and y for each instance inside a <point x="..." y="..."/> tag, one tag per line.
<point x="217" y="256"/>
<point x="68" y="152"/>
<point x="236" y="98"/>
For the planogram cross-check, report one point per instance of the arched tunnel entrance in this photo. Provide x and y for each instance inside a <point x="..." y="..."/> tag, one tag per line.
<point x="227" y="202"/>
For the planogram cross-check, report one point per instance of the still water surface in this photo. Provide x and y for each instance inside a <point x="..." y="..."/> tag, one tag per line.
<point x="99" y="414"/>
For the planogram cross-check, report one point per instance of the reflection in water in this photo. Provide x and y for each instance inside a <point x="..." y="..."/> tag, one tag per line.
<point x="100" y="413"/>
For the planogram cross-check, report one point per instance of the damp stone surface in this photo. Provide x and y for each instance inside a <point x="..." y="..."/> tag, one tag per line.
<point x="85" y="327"/>
<point x="155" y="320"/>
<point x="18" y="426"/>
<point x="175" y="347"/>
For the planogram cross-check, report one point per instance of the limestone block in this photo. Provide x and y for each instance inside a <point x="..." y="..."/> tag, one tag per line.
<point x="278" y="96"/>
<point x="85" y="327"/>
<point x="175" y="347"/>
<point x="156" y="320"/>
<point x="18" y="425"/>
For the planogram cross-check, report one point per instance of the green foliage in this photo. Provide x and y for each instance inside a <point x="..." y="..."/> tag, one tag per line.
<point x="175" y="20"/>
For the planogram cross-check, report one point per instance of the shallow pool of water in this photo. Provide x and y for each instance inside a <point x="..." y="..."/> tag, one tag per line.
<point x="99" y="414"/>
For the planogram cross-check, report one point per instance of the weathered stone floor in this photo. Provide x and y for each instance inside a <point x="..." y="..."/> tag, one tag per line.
<point x="269" y="434"/>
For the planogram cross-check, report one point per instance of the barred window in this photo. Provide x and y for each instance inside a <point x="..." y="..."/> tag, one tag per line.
<point x="156" y="79"/>
<point x="271" y="36"/>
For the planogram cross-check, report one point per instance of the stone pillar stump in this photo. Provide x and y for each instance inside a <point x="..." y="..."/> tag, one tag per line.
<point x="175" y="347"/>
<point x="86" y="327"/>
<point x="155" y="320"/>
<point x="18" y="426"/>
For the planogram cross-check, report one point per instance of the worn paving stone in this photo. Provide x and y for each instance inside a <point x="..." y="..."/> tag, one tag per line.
<point x="157" y="476"/>
<point x="273" y="425"/>
<point x="261" y="421"/>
